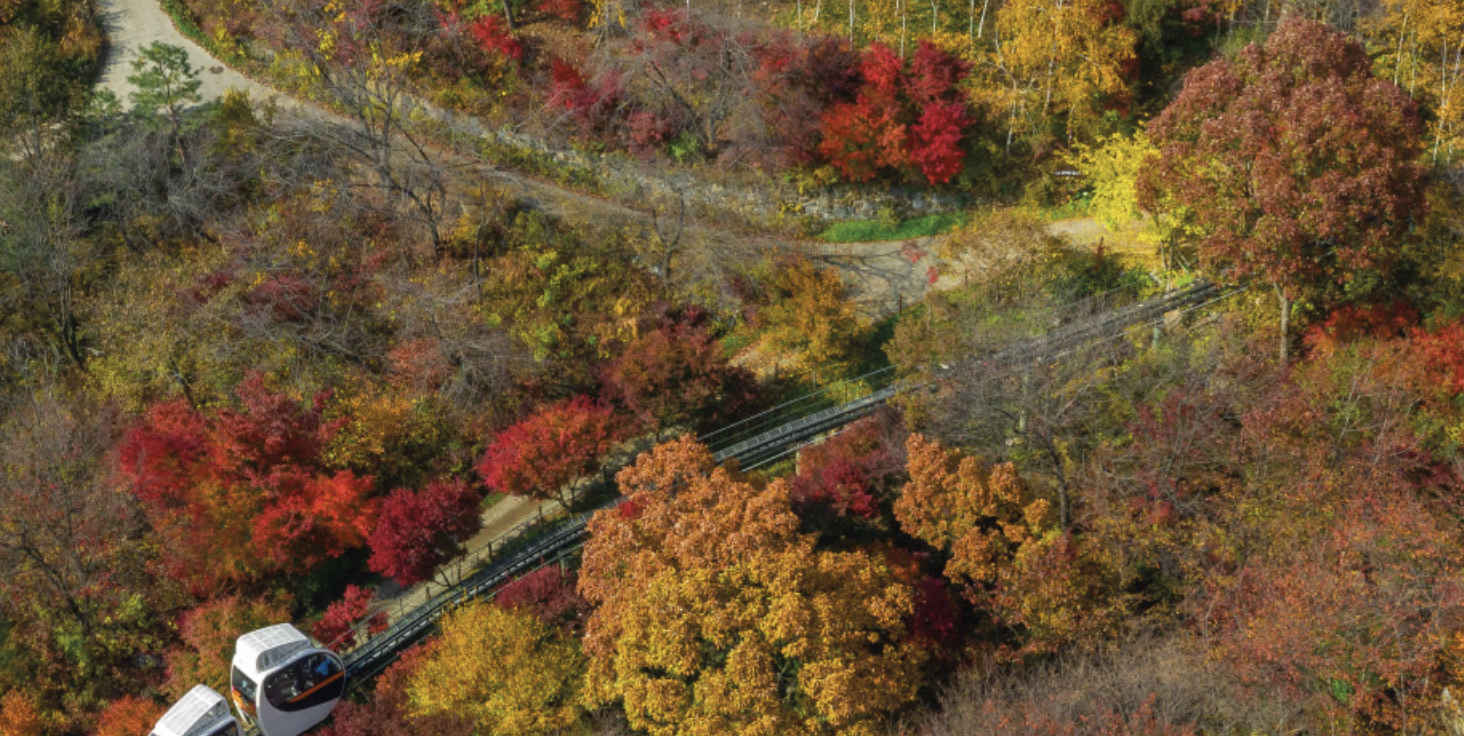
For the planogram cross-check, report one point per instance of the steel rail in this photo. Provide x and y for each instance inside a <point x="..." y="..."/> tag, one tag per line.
<point x="559" y="540"/>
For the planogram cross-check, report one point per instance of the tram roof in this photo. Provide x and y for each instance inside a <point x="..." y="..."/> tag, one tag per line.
<point x="264" y="649"/>
<point x="197" y="712"/>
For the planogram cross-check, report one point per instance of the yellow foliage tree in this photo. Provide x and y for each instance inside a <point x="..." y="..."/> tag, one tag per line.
<point x="715" y="615"/>
<point x="1059" y="58"/>
<point x="979" y="514"/>
<point x="811" y="319"/>
<point x="1111" y="168"/>
<point x="511" y="673"/>
<point x="1004" y="546"/>
<point x="1419" y="44"/>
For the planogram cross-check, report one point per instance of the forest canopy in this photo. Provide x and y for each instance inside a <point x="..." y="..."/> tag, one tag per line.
<point x="1120" y="391"/>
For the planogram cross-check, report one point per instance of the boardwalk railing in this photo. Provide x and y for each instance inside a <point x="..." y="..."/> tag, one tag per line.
<point x="377" y="640"/>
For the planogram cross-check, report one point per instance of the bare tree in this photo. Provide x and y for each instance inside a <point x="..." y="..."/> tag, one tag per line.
<point x="43" y="253"/>
<point x="383" y="127"/>
<point x="70" y="549"/>
<point x="663" y="243"/>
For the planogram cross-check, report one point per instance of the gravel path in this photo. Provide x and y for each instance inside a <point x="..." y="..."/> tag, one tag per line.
<point x="133" y="24"/>
<point x="883" y="276"/>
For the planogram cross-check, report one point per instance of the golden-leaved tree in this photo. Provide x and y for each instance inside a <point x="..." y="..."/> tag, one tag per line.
<point x="1002" y="545"/>
<point x="1419" y="45"/>
<point x="1061" y="59"/>
<point x="505" y="670"/>
<point x="715" y="615"/>
<point x="812" y="320"/>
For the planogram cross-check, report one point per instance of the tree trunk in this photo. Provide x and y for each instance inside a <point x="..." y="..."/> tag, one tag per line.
<point x="1064" y="513"/>
<point x="1285" y="322"/>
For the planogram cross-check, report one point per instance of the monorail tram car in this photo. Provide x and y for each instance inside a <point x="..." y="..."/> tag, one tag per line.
<point x="200" y="712"/>
<point x="282" y="683"/>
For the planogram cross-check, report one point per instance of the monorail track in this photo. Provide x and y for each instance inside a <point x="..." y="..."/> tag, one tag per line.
<point x="559" y="541"/>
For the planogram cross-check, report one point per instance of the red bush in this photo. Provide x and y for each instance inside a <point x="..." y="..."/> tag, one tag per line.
<point x="1443" y="350"/>
<point x="565" y="10"/>
<point x="851" y="474"/>
<point x="548" y="593"/>
<point x="334" y="629"/>
<point x="904" y="115"/>
<point x="590" y="103"/>
<point x="493" y="35"/>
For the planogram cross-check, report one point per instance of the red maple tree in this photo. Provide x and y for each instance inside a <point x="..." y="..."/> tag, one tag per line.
<point x="677" y="373"/>
<point x="244" y="490"/>
<point x="335" y="627"/>
<point x="419" y="530"/>
<point x="542" y="454"/>
<point x="1297" y="164"/>
<point x="903" y="115"/>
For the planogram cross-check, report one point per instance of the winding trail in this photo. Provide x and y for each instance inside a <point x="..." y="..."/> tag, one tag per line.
<point x="883" y="276"/>
<point x="132" y="24"/>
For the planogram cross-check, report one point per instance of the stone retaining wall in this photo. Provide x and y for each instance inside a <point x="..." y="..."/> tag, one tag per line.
<point x="768" y="200"/>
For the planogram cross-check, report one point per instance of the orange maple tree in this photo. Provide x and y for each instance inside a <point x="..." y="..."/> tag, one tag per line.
<point x="1003" y="546"/>
<point x="715" y="614"/>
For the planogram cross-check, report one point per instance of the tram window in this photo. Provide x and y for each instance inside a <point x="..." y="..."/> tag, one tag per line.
<point x="298" y="686"/>
<point x="245" y="686"/>
<point x="228" y="729"/>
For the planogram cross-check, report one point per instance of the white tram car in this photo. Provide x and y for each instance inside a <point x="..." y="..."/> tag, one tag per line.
<point x="282" y="683"/>
<point x="200" y="712"/>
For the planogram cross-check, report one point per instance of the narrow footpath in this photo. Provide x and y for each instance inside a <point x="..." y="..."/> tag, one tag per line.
<point x="883" y="276"/>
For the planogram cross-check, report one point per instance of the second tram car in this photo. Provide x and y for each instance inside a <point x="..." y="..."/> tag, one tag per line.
<point x="200" y="712"/>
<point x="282" y="683"/>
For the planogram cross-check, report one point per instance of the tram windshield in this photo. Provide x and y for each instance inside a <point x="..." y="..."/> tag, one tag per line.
<point x="305" y="683"/>
<point x="245" y="687"/>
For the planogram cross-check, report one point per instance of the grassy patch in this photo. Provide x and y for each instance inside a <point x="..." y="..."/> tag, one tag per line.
<point x="187" y="25"/>
<point x="863" y="231"/>
<point x="1078" y="206"/>
<point x="737" y="340"/>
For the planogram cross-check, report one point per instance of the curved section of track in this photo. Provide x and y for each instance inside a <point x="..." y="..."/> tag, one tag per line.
<point x="558" y="542"/>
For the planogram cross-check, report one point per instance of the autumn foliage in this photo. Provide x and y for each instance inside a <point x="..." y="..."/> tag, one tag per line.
<point x="1297" y="166"/>
<point x="548" y="593"/>
<point x="904" y="115"/>
<point x="419" y="530"/>
<point x="128" y="716"/>
<point x="504" y="670"/>
<point x="240" y="492"/>
<point x="335" y="627"/>
<point x="722" y="586"/>
<point x="19" y="715"/>
<point x="852" y="474"/>
<point x="542" y="454"/>
<point x="493" y="35"/>
<point x="389" y="712"/>
<point x="675" y="374"/>
<point x="811" y="319"/>
<point x="208" y="632"/>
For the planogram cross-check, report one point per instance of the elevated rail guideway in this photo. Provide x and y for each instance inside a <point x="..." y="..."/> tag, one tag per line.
<point x="757" y="440"/>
